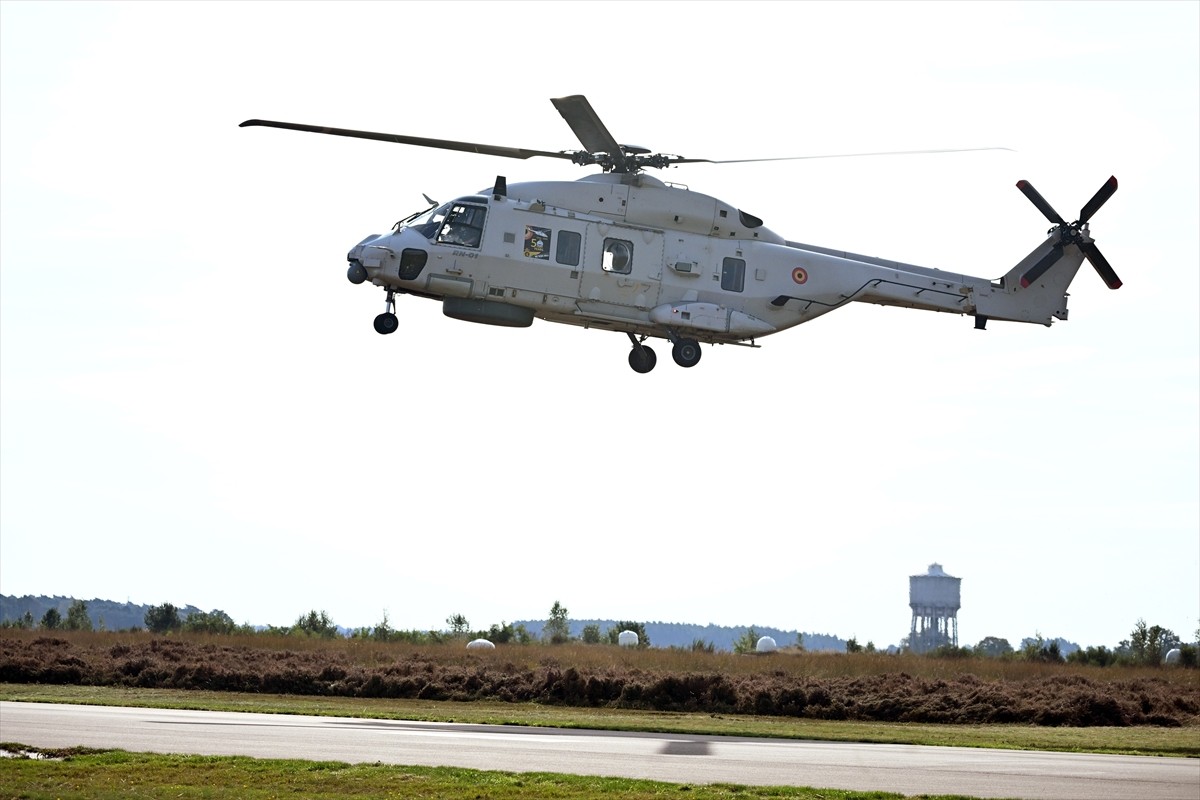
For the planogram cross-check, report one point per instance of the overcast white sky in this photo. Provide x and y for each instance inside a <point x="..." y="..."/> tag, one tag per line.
<point x="195" y="408"/>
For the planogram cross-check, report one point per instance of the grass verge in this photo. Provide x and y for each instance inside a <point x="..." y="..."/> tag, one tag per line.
<point x="101" y="775"/>
<point x="1141" y="740"/>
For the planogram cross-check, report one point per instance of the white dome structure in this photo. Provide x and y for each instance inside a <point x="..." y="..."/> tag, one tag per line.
<point x="766" y="645"/>
<point x="627" y="639"/>
<point x="1174" y="657"/>
<point x="480" y="644"/>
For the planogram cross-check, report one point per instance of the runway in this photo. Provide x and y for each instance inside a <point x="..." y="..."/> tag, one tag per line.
<point x="906" y="769"/>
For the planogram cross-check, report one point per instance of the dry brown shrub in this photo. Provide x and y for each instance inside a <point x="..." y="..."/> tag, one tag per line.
<point x="869" y="687"/>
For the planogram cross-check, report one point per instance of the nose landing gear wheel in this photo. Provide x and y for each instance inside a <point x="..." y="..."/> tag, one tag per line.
<point x="386" y="323"/>
<point x="686" y="352"/>
<point x="642" y="359"/>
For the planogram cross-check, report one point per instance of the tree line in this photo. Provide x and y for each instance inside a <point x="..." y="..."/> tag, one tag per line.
<point x="1146" y="645"/>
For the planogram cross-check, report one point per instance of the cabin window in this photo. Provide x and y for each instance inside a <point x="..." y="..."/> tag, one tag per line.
<point x="568" y="248"/>
<point x="618" y="256"/>
<point x="463" y="227"/>
<point x="733" y="274"/>
<point x="537" y="242"/>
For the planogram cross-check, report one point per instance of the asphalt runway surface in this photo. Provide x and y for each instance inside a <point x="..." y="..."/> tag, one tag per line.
<point x="907" y="769"/>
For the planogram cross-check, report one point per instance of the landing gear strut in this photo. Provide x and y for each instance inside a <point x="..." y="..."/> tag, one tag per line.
<point x="386" y="322"/>
<point x="641" y="358"/>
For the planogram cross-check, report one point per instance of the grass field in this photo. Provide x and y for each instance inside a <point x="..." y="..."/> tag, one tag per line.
<point x="113" y="775"/>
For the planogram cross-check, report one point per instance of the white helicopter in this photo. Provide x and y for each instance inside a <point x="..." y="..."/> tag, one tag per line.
<point x="623" y="251"/>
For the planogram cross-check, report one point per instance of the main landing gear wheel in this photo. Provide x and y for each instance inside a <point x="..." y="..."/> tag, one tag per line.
<point x="642" y="358"/>
<point x="686" y="352"/>
<point x="386" y="323"/>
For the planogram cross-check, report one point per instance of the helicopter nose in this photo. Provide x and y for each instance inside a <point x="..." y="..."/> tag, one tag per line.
<point x="364" y="256"/>
<point x="384" y="261"/>
<point x="357" y="273"/>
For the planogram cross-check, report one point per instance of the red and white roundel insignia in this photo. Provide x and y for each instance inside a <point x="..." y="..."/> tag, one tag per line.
<point x="800" y="275"/>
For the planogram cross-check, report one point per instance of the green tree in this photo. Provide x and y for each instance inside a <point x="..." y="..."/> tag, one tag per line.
<point x="950" y="651"/>
<point x="993" y="647"/>
<point x="1148" y="644"/>
<point x="316" y="623"/>
<point x="51" y="619"/>
<point x="161" y="619"/>
<point x="701" y="646"/>
<point x="1096" y="656"/>
<point x="747" y="642"/>
<point x="458" y="624"/>
<point x="557" y="629"/>
<point x="502" y="633"/>
<point x="215" y="621"/>
<point x="1038" y="649"/>
<point x="591" y="634"/>
<point x="852" y="646"/>
<point x="77" y="617"/>
<point x="383" y="631"/>
<point x="507" y="632"/>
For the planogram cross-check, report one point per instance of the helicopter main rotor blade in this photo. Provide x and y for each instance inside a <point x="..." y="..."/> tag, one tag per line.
<point x="677" y="160"/>
<point x="419" y="141"/>
<point x="1098" y="199"/>
<point x="586" y="124"/>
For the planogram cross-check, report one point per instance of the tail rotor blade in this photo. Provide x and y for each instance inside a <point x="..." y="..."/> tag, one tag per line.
<point x="1045" y="263"/>
<point x="1097" y="259"/>
<point x="1099" y="199"/>
<point x="1047" y="210"/>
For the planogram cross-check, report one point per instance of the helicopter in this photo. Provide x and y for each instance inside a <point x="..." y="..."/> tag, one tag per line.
<point x="621" y="250"/>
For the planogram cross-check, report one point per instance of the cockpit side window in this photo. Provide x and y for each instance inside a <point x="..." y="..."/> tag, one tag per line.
<point x="463" y="226"/>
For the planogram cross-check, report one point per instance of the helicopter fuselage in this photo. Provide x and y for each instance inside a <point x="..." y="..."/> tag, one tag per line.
<point x="630" y="253"/>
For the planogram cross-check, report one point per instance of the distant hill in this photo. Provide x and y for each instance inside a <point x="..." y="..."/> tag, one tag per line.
<point x="106" y="615"/>
<point x="680" y="634"/>
<point x="113" y="616"/>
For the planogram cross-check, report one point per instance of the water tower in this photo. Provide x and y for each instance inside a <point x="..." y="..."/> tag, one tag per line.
<point x="934" y="600"/>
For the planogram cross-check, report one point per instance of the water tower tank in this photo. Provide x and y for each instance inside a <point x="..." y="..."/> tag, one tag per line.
<point x="934" y="600"/>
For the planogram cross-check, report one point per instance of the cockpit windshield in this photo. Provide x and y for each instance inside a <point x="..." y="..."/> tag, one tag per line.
<point x="427" y="223"/>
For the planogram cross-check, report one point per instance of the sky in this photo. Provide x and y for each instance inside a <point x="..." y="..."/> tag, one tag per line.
<point x="195" y="409"/>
